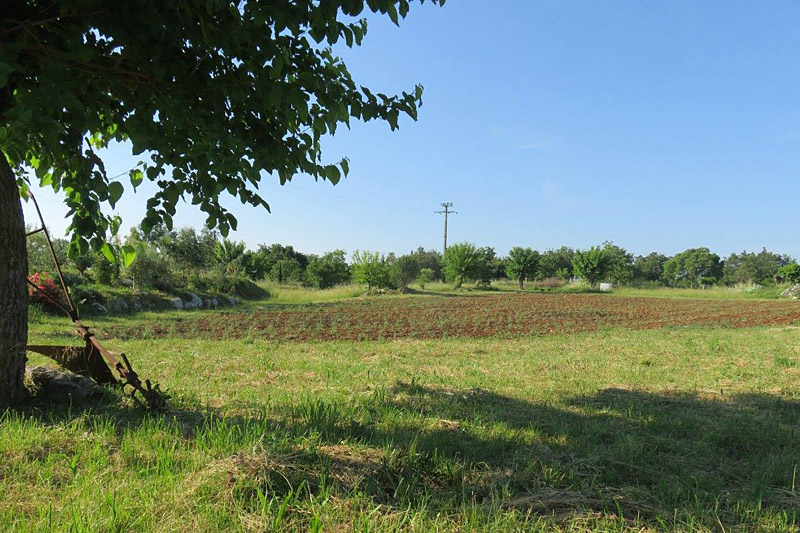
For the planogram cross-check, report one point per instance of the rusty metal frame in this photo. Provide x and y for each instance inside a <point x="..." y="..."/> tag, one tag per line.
<point x="93" y="359"/>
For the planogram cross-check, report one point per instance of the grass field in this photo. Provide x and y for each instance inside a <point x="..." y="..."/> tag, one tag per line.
<point x="619" y="413"/>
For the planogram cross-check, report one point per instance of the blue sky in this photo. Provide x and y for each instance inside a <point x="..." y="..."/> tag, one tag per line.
<point x="659" y="126"/>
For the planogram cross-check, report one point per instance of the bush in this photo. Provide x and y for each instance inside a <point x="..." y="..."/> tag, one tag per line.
<point x="47" y="288"/>
<point x="39" y="258"/>
<point x="328" y="270"/>
<point x="242" y="287"/>
<point x="405" y="270"/>
<point x="85" y="295"/>
<point x="551" y="283"/>
<point x="72" y="279"/>
<point x="371" y="268"/>
<point x="286" y="270"/>
<point x="105" y="271"/>
<point x="788" y="273"/>
<point x="221" y="283"/>
<point x="425" y="276"/>
<point x="150" y="270"/>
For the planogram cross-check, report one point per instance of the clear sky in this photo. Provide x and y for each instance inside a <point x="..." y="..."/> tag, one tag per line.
<point x="657" y="125"/>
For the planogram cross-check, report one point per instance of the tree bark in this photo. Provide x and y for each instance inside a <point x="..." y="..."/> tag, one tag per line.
<point x="13" y="289"/>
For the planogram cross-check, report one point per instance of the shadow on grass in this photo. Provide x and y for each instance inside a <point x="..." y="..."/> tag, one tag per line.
<point x="663" y="459"/>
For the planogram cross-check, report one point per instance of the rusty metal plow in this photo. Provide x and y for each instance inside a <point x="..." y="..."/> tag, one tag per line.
<point x="92" y="360"/>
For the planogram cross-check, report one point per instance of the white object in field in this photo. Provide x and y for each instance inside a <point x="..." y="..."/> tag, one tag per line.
<point x="605" y="287"/>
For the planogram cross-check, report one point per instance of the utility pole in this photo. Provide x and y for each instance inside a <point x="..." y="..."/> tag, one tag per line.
<point x="447" y="206"/>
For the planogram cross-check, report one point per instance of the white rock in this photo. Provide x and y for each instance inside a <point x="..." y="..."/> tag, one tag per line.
<point x="605" y="287"/>
<point x="792" y="292"/>
<point x="177" y="303"/>
<point x="195" y="302"/>
<point x="99" y="308"/>
<point x="118" y="306"/>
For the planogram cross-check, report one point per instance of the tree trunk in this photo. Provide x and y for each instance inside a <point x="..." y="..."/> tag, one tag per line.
<point x="13" y="289"/>
<point x="521" y="281"/>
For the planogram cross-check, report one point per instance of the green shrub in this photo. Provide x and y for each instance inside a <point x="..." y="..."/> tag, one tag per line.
<point x="39" y="258"/>
<point x="425" y="276"/>
<point x="788" y="273"/>
<point x="72" y="279"/>
<point x="286" y="270"/>
<point x="105" y="271"/>
<point x="217" y="281"/>
<point x="85" y="295"/>
<point x="328" y="270"/>
<point x="151" y="270"/>
<point x="405" y="270"/>
<point x="371" y="268"/>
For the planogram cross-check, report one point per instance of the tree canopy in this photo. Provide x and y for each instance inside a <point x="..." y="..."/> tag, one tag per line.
<point x="217" y="94"/>
<point x="592" y="264"/>
<point x="461" y="261"/>
<point x="693" y="268"/>
<point x="522" y="263"/>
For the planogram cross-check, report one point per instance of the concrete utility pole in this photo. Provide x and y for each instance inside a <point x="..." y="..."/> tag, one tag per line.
<point x="447" y="206"/>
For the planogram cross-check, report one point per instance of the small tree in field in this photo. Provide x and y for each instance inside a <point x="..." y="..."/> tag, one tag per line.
<point x="592" y="264"/>
<point x="425" y="276"/>
<point x="404" y="270"/>
<point x="461" y="261"/>
<point x="521" y="264"/>
<point x="370" y="268"/>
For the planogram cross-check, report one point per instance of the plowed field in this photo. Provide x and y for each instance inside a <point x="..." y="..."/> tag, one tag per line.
<point x="469" y="316"/>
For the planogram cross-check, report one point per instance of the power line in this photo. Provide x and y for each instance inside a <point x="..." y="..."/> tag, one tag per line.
<point x="447" y="206"/>
<point x="351" y="198"/>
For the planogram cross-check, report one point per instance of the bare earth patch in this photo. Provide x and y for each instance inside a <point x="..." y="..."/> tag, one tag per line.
<point x="470" y="316"/>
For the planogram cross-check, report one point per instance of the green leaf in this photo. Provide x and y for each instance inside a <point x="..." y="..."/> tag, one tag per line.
<point x="136" y="176"/>
<point x="108" y="252"/>
<point x="333" y="174"/>
<point x="128" y="255"/>
<point x="115" y="190"/>
<point x="392" y="12"/>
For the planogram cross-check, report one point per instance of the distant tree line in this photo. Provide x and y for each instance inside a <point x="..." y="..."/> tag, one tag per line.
<point x="190" y="260"/>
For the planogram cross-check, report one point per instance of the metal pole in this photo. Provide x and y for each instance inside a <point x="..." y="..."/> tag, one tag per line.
<point x="73" y="312"/>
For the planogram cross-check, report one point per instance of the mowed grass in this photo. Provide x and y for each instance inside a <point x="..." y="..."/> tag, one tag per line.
<point x="679" y="428"/>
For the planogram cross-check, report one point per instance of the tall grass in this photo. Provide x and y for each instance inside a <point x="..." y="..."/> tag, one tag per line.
<point x="297" y="294"/>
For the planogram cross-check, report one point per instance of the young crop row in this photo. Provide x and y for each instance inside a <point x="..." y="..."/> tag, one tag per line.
<point x="471" y="316"/>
